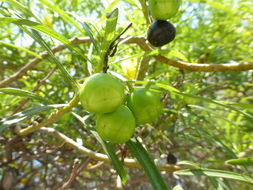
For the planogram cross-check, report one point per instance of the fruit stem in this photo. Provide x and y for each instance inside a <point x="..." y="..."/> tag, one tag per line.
<point x="113" y="48"/>
<point x="130" y="86"/>
<point x="149" y="84"/>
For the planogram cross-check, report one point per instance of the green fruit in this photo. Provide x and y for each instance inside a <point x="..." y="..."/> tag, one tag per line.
<point x="161" y="32"/>
<point x="145" y="105"/>
<point x="102" y="93"/>
<point x="163" y="9"/>
<point x="117" y="126"/>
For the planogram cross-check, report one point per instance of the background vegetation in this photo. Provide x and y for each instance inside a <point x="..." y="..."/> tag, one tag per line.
<point x="207" y="117"/>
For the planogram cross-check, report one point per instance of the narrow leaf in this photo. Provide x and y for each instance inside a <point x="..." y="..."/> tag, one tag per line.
<point x="110" y="29"/>
<point x="214" y="113"/>
<point x="245" y="114"/>
<point x="215" y="173"/>
<point x="167" y="87"/>
<point x="21" y="48"/>
<point x="109" y="150"/>
<point x="23" y="8"/>
<point x="242" y="161"/>
<point x="6" y="122"/>
<point x="24" y="93"/>
<point x="53" y="59"/>
<point x="89" y="32"/>
<point x="111" y="23"/>
<point x="69" y="20"/>
<point x="218" y="141"/>
<point x="147" y="164"/>
<point x="64" y="15"/>
<point x="249" y="116"/>
<point x="44" y="29"/>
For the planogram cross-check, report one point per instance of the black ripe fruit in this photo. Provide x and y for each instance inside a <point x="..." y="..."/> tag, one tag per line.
<point x="161" y="32"/>
<point x="171" y="159"/>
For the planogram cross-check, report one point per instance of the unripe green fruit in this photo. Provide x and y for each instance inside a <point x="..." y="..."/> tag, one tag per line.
<point x="163" y="9"/>
<point x="145" y="105"/>
<point x="161" y="32"/>
<point x="102" y="93"/>
<point x="117" y="126"/>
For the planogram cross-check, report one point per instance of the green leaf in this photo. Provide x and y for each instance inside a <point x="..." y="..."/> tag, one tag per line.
<point x="21" y="48"/>
<point x="189" y="163"/>
<point x="23" y="8"/>
<point x="160" y="133"/>
<point x="54" y="7"/>
<point x="44" y="29"/>
<point x="36" y="36"/>
<point x="68" y="19"/>
<point x="219" y="6"/>
<point x="144" y="10"/>
<point x="241" y="161"/>
<point x="109" y="150"/>
<point x="245" y="114"/>
<point x="215" y="173"/>
<point x="89" y="32"/>
<point x="53" y="59"/>
<point x="214" y="113"/>
<point x="217" y="140"/>
<point x="111" y="23"/>
<point x="6" y="122"/>
<point x="147" y="164"/>
<point x="200" y="98"/>
<point x="177" y="54"/>
<point x="24" y="93"/>
<point x="166" y="87"/>
<point x="215" y="5"/>
<point x="110" y="28"/>
<point x="244" y="106"/>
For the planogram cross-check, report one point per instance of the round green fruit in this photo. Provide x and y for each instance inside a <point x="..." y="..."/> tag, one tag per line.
<point x="145" y="105"/>
<point x="102" y="93"/>
<point x="161" y="32"/>
<point x="117" y="126"/>
<point x="163" y="9"/>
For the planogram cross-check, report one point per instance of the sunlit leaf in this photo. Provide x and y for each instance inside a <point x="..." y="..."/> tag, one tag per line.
<point x="241" y="161"/>
<point x="21" y="49"/>
<point x="44" y="29"/>
<point x="216" y="173"/>
<point x="6" y="122"/>
<point x="23" y="93"/>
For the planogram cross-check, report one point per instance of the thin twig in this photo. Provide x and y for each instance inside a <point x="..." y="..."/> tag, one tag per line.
<point x="142" y="130"/>
<point x="39" y="84"/>
<point x="141" y="41"/>
<point x="74" y="173"/>
<point x="98" y="156"/>
<point x="113" y="48"/>
<point x="21" y="72"/>
<point x="52" y="118"/>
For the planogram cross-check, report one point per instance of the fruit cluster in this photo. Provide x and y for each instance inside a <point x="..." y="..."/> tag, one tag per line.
<point x="162" y="32"/>
<point x="117" y="114"/>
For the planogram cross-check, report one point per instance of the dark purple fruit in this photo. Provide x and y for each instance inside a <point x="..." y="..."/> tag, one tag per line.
<point x="161" y="32"/>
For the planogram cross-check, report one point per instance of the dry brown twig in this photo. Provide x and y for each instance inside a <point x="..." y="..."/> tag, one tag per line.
<point x="140" y="41"/>
<point x="67" y="183"/>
